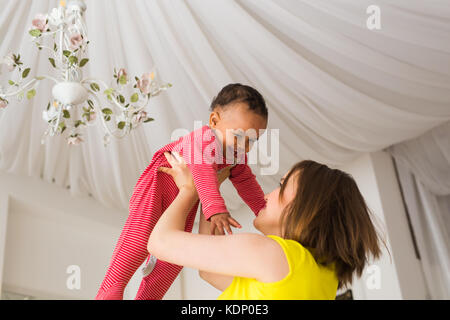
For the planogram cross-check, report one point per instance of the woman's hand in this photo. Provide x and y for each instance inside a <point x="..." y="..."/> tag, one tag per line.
<point x="179" y="171"/>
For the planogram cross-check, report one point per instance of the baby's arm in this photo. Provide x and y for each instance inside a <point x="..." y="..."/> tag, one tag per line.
<point x="247" y="187"/>
<point x="207" y="185"/>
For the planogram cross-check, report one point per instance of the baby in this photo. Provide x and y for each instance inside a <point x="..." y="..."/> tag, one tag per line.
<point x="238" y="116"/>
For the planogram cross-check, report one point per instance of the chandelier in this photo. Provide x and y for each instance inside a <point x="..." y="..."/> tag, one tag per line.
<point x="79" y="102"/>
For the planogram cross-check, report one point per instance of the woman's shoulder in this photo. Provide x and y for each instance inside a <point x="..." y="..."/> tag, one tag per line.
<point x="301" y="257"/>
<point x="295" y="253"/>
<point x="276" y="263"/>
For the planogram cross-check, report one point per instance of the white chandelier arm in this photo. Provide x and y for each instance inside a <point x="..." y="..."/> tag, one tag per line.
<point x="100" y="112"/>
<point x="22" y="88"/>
<point x="61" y="28"/>
<point x="45" y="47"/>
<point x="82" y="24"/>
<point x="106" y="87"/>
<point x="55" y="125"/>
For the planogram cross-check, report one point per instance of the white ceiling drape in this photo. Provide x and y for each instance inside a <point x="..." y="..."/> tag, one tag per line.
<point x="334" y="88"/>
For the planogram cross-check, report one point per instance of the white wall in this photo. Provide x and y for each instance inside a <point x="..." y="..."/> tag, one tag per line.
<point x="401" y="277"/>
<point x="43" y="230"/>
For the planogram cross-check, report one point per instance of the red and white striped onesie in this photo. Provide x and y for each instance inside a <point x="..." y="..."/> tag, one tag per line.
<point x="152" y="195"/>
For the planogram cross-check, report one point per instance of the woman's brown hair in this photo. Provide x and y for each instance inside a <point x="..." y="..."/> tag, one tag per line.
<point x="329" y="216"/>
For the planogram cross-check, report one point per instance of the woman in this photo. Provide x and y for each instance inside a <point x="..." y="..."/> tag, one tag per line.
<point x="316" y="233"/>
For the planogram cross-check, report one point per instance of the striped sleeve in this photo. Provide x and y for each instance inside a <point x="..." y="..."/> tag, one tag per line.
<point x="204" y="171"/>
<point x="207" y="185"/>
<point x="247" y="187"/>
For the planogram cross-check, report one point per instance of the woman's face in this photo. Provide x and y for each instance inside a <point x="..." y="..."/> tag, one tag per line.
<point x="268" y="219"/>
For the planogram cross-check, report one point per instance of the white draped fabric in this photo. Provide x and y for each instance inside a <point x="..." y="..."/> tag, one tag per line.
<point x="334" y="88"/>
<point x="424" y="173"/>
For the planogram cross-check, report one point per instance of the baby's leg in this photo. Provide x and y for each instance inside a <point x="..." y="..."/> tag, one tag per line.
<point x="131" y="249"/>
<point x="155" y="285"/>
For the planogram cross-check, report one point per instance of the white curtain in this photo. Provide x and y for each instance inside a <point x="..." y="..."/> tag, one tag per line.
<point x="335" y="89"/>
<point x="424" y="173"/>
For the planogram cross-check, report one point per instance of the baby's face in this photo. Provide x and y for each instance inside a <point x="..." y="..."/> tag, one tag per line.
<point x="238" y="127"/>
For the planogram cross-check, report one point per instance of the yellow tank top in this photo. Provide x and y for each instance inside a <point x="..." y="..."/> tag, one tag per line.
<point x="306" y="279"/>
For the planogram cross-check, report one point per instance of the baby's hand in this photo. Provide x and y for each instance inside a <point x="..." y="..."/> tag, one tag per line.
<point x="222" y="220"/>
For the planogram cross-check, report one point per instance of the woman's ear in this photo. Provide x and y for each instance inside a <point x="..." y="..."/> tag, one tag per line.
<point x="214" y="118"/>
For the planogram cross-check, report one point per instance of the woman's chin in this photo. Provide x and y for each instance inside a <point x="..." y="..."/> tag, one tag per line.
<point x="256" y="224"/>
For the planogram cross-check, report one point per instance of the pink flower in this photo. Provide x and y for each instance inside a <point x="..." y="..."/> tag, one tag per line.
<point x="140" y="116"/>
<point x="144" y="84"/>
<point x="92" y="116"/>
<point x="40" y="22"/>
<point x="75" y="41"/>
<point x="74" y="140"/>
<point x="122" y="72"/>
<point x="3" y="104"/>
<point x="9" y="62"/>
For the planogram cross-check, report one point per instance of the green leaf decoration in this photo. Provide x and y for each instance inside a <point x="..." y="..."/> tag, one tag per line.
<point x="148" y="120"/>
<point x="66" y="114"/>
<point x="48" y="106"/>
<point x="121" y="99"/>
<point x="52" y="61"/>
<point x="67" y="53"/>
<point x="31" y="94"/>
<point x="78" y="123"/>
<point x="107" y="111"/>
<point x="73" y="60"/>
<point x="11" y="83"/>
<point x="109" y="91"/>
<point x="134" y="97"/>
<point x="121" y="125"/>
<point x="83" y="62"/>
<point x="25" y="72"/>
<point x="123" y="79"/>
<point x="91" y="104"/>
<point x="107" y="118"/>
<point x="95" y="87"/>
<point x="35" y="33"/>
<point x="62" y="126"/>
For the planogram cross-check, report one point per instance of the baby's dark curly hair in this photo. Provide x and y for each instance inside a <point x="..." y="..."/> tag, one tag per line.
<point x="236" y="92"/>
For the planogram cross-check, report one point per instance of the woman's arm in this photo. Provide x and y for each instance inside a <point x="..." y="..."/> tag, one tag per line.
<point x="218" y="281"/>
<point x="246" y="255"/>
